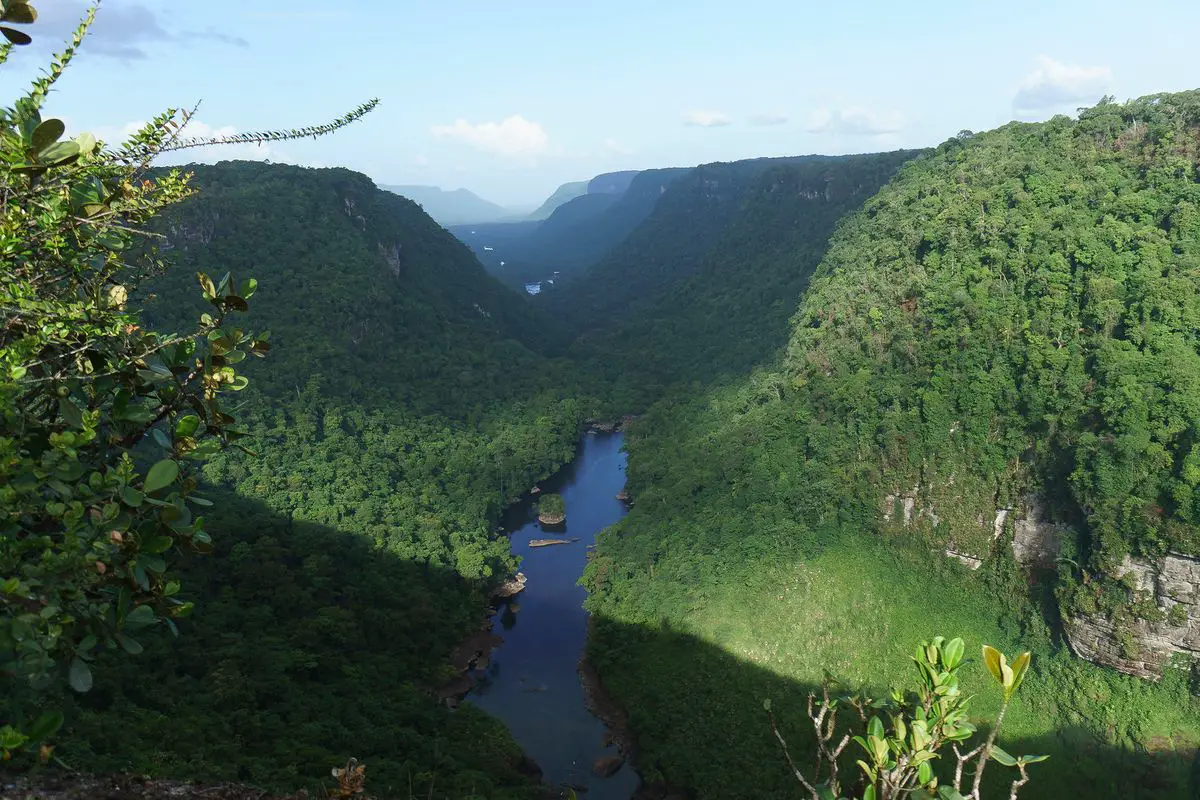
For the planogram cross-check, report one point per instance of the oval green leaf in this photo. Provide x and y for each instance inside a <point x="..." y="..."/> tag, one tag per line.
<point x="161" y="475"/>
<point x="15" y="36"/>
<point x="79" y="675"/>
<point x="47" y="134"/>
<point x="139" y="617"/>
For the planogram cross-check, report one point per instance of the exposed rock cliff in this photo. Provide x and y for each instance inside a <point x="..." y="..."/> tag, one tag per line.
<point x="1140" y="647"/>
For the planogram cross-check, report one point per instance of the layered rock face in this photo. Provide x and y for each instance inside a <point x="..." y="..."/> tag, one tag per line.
<point x="1144" y="648"/>
<point x="1140" y="647"/>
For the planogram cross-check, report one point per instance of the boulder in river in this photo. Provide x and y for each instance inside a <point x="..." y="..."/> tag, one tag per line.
<point x="607" y="766"/>
<point x="513" y="586"/>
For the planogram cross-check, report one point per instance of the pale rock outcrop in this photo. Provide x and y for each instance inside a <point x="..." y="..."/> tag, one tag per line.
<point x="1174" y="583"/>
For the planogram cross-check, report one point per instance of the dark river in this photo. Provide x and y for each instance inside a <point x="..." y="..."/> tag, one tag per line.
<point x="531" y="682"/>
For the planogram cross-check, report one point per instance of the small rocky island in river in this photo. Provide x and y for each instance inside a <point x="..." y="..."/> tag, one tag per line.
<point x="552" y="510"/>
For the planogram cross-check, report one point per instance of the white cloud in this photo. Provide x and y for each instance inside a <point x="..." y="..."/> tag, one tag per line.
<point x="705" y="119"/>
<point x="854" y="121"/>
<point x="514" y="137"/>
<point x="1054" y="87"/>
<point x="764" y="120"/>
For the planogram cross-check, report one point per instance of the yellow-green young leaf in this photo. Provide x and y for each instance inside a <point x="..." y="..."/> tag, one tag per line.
<point x="86" y="142"/>
<point x="1019" y="666"/>
<point x="1033" y="759"/>
<point x="992" y="659"/>
<point x="924" y="773"/>
<point x="160" y="475"/>
<point x="19" y="12"/>
<point x="869" y="794"/>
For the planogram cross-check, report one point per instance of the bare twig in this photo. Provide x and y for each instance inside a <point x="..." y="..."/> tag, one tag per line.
<point x="791" y="763"/>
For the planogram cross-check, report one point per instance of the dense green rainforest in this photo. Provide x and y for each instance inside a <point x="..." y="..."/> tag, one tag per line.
<point x="1014" y="314"/>
<point x="845" y="368"/>
<point x="406" y="400"/>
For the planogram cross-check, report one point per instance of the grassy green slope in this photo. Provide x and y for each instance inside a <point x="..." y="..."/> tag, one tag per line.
<point x="1018" y="312"/>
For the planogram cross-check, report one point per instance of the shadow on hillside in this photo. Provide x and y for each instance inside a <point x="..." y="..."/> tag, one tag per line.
<point x="307" y="646"/>
<point x="701" y="728"/>
<point x="310" y="645"/>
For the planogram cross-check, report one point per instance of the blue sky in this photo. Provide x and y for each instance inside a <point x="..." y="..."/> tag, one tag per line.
<point x="512" y="99"/>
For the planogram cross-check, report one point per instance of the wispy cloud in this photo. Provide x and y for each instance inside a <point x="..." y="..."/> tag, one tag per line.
<point x="513" y="137"/>
<point x="705" y="119"/>
<point x="854" y="121"/>
<point x="1054" y="87"/>
<point x="123" y="30"/>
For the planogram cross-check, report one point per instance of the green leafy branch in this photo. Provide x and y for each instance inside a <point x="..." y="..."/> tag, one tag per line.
<point x="906" y="733"/>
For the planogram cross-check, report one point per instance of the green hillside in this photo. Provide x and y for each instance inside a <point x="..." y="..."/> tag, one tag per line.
<point x="1013" y="316"/>
<point x="579" y="233"/>
<point x="684" y="223"/>
<point x="410" y="317"/>
<point x="398" y="412"/>
<point x="719" y="303"/>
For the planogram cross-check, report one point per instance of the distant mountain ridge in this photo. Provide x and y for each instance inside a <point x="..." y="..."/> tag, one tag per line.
<point x="457" y="207"/>
<point x="612" y="182"/>
<point x="563" y="194"/>
<point x="579" y="233"/>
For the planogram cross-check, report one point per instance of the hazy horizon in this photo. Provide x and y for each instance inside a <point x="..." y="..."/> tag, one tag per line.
<point x="512" y="101"/>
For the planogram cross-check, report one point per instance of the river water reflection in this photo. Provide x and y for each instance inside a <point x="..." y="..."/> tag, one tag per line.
<point x="532" y="683"/>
